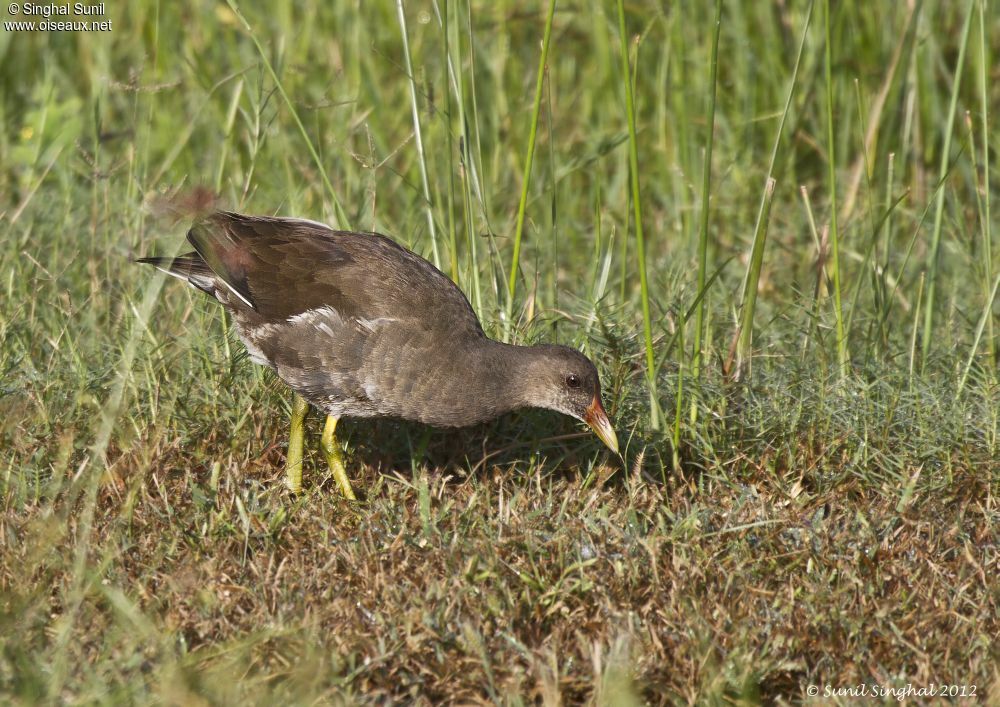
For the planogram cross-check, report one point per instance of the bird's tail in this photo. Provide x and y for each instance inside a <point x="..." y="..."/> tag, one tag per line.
<point x="188" y="267"/>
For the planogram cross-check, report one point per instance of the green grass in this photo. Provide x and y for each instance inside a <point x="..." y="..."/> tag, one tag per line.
<point x="817" y="508"/>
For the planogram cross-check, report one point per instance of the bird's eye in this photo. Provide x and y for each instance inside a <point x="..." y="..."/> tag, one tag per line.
<point x="573" y="380"/>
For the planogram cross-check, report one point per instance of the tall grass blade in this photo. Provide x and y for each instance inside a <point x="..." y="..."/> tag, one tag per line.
<point x="916" y="328"/>
<point x="467" y="167"/>
<point x="984" y="72"/>
<point x="452" y="233"/>
<point x="417" y="135"/>
<point x="473" y="137"/>
<point x="985" y="317"/>
<point x="526" y="176"/>
<point x="882" y="268"/>
<point x="752" y="278"/>
<point x="935" y="246"/>
<point x="706" y="185"/>
<point x="842" y="354"/>
<point x="675" y="453"/>
<point x="633" y="156"/>
<point x="457" y="89"/>
<point x="745" y="338"/>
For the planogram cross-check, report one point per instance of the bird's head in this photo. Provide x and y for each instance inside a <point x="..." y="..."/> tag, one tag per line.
<point x="563" y="379"/>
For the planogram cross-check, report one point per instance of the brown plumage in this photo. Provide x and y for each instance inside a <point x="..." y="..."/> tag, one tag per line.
<point x="362" y="327"/>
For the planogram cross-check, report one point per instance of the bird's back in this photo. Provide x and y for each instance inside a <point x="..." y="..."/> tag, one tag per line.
<point x="279" y="268"/>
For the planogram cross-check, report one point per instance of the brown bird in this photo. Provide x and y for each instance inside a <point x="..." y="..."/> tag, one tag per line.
<point x="359" y="326"/>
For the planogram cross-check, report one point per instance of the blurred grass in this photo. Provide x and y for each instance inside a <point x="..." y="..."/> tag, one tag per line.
<point x="811" y="523"/>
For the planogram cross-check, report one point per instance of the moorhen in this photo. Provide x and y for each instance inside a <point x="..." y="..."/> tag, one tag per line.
<point x="359" y="326"/>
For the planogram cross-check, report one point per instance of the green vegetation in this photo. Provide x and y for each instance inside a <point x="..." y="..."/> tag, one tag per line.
<point x="810" y="415"/>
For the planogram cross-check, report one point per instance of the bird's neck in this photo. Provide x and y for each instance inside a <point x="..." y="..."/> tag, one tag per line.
<point x="479" y="381"/>
<point x="508" y="367"/>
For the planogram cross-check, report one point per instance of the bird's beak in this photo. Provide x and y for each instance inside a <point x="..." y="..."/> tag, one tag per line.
<point x="599" y="422"/>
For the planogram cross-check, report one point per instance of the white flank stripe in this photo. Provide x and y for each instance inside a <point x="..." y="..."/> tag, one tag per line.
<point x="232" y="289"/>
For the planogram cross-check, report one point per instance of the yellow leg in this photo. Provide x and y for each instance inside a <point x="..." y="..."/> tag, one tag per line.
<point x="296" y="432"/>
<point x="335" y="457"/>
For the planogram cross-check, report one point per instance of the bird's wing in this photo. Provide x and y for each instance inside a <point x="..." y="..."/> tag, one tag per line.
<point x="281" y="268"/>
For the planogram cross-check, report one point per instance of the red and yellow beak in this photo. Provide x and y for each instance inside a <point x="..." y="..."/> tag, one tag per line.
<point x="599" y="422"/>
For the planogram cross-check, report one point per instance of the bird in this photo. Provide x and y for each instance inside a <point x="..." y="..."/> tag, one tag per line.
<point x="360" y="326"/>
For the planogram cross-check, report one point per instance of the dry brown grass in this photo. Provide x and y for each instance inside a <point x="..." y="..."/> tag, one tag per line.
<point x="500" y="586"/>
